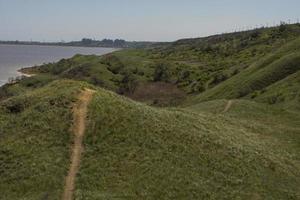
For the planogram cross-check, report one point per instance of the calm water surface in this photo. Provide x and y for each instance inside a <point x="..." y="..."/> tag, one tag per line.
<point x="14" y="57"/>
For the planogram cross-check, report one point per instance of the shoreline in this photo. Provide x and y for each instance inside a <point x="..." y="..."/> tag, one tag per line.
<point x="25" y="73"/>
<point x="54" y="45"/>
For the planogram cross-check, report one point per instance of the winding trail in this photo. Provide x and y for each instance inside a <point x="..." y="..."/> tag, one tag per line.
<point x="79" y="117"/>
<point x="228" y="106"/>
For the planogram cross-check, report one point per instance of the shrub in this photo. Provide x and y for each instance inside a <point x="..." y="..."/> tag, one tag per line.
<point x="219" y="78"/>
<point x="127" y="84"/>
<point x="113" y="63"/>
<point x="36" y="81"/>
<point x="161" y="72"/>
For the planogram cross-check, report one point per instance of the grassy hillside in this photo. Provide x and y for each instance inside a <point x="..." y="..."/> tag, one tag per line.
<point x="284" y="93"/>
<point x="139" y="152"/>
<point x="234" y="135"/>
<point x="136" y="151"/>
<point x="263" y="73"/>
<point x="34" y="142"/>
<point x="206" y="66"/>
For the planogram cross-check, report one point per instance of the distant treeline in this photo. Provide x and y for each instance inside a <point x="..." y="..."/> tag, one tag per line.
<point x="87" y="42"/>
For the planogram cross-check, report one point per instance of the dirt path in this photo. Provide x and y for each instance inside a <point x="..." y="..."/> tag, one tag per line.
<point x="228" y="106"/>
<point x="79" y="116"/>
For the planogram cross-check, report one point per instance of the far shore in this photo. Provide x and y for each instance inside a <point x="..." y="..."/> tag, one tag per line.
<point x="58" y="45"/>
<point x="26" y="72"/>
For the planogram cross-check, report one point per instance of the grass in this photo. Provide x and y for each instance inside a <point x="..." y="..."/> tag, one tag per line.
<point x="135" y="151"/>
<point x="34" y="142"/>
<point x="138" y="152"/>
<point x="222" y="66"/>
<point x="258" y="76"/>
<point x="284" y="93"/>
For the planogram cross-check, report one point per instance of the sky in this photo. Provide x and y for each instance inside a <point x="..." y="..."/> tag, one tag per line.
<point x="137" y="20"/>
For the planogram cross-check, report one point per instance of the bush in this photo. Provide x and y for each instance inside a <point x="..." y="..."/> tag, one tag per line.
<point x="15" y="106"/>
<point x="97" y="81"/>
<point x="282" y="27"/>
<point x="113" y="63"/>
<point x="219" y="78"/>
<point x="161" y="72"/>
<point x="79" y="71"/>
<point x="127" y="84"/>
<point x="36" y="81"/>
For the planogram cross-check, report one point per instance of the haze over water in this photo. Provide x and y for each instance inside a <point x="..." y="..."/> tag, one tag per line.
<point x="14" y="57"/>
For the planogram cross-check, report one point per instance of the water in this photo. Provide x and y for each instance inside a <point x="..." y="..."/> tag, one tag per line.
<point x="14" y="57"/>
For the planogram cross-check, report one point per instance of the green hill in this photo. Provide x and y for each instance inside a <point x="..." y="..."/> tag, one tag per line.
<point x="136" y="151"/>
<point x="139" y="152"/>
<point x="203" y="118"/>
<point x="283" y="93"/>
<point x="260" y="75"/>
<point x="35" y="142"/>
<point x="211" y="66"/>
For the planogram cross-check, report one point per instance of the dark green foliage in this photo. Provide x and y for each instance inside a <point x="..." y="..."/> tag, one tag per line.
<point x="127" y="84"/>
<point x="37" y="81"/>
<point x="161" y="72"/>
<point x="77" y="72"/>
<point x="220" y="77"/>
<point x="283" y="27"/>
<point x="113" y="63"/>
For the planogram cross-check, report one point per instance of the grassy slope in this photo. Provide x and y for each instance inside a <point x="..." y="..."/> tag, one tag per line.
<point x="34" y="143"/>
<point x="284" y="93"/>
<point x="220" y="66"/>
<point x="135" y="151"/>
<point x="264" y="73"/>
<point x="263" y="119"/>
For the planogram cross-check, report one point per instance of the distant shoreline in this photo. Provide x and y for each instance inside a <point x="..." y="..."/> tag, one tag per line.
<point x="13" y="64"/>
<point x="86" y="42"/>
<point x="25" y="72"/>
<point x="55" y="45"/>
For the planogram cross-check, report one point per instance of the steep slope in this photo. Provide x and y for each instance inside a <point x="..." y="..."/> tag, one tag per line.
<point x="284" y="93"/>
<point x="138" y="152"/>
<point x="260" y="75"/>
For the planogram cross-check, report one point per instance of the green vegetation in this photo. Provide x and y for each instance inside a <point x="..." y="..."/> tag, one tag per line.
<point x="233" y="65"/>
<point x="267" y="71"/>
<point x="218" y="118"/>
<point x="34" y="141"/>
<point x="284" y="93"/>
<point x="139" y="152"/>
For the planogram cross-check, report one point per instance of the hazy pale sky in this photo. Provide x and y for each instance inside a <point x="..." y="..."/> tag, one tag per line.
<point x="151" y="20"/>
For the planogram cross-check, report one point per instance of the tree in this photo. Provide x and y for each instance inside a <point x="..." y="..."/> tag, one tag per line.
<point x="161" y="72"/>
<point x="282" y="26"/>
<point x="86" y="41"/>
<point x="127" y="84"/>
<point x="107" y="42"/>
<point x="119" y="43"/>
